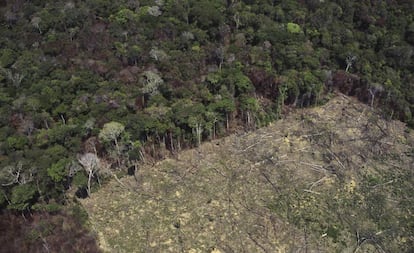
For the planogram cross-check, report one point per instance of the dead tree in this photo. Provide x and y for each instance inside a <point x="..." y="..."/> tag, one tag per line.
<point x="89" y="162"/>
<point x="350" y="59"/>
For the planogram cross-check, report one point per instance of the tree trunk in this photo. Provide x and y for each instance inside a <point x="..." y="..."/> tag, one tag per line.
<point x="347" y="67"/>
<point x="89" y="181"/>
<point x="141" y="154"/>
<point x="227" y="121"/>
<point x="171" y="142"/>
<point x="118" y="152"/>
<point x="248" y="118"/>
<point x="214" y="130"/>
<point x="372" y="97"/>
<point x="199" y="131"/>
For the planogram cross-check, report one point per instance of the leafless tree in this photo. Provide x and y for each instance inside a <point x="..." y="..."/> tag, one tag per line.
<point x="350" y="59"/>
<point x="220" y="53"/>
<point x="15" y="78"/>
<point x="197" y="126"/>
<point x="10" y="175"/>
<point x="158" y="54"/>
<point x="15" y="174"/>
<point x="154" y="11"/>
<point x="89" y="162"/>
<point x="373" y="90"/>
<point x="236" y="19"/>
<point x="11" y="17"/>
<point x="151" y="82"/>
<point x="35" y="21"/>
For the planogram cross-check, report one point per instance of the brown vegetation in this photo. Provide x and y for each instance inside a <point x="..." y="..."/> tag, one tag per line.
<point x="43" y="232"/>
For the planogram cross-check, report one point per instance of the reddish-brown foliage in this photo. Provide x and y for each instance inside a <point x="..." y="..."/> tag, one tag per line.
<point x="346" y="83"/>
<point x="42" y="232"/>
<point x="352" y="85"/>
<point x="265" y="84"/>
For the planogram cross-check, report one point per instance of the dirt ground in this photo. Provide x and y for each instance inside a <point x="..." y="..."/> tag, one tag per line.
<point x="306" y="183"/>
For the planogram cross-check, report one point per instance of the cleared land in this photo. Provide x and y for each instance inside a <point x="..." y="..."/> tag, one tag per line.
<point x="336" y="178"/>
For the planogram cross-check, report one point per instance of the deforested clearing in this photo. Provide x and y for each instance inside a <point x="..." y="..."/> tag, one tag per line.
<point x="335" y="178"/>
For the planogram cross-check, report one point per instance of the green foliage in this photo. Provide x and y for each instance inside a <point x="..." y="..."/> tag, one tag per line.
<point x="50" y="208"/>
<point x="77" y="211"/>
<point x="3" y="200"/>
<point x="151" y="82"/>
<point x="135" y="153"/>
<point x="240" y="81"/>
<point x="7" y="57"/>
<point x="223" y="105"/>
<point x="184" y="110"/>
<point x="111" y="131"/>
<point x="206" y="14"/>
<point x="55" y="152"/>
<point x="293" y="28"/>
<point x="22" y="197"/>
<point x="159" y="121"/>
<point x="123" y="16"/>
<point x="249" y="104"/>
<point x="16" y="142"/>
<point x="80" y="180"/>
<point x="58" y="171"/>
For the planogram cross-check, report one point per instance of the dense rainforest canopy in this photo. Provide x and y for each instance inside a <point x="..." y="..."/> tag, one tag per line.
<point x="90" y="87"/>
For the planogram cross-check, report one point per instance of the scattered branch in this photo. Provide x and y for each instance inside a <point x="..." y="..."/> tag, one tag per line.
<point x="309" y="191"/>
<point x="261" y="140"/>
<point x="315" y="167"/>
<point x="269" y="181"/>
<point x="317" y="182"/>
<point x="337" y="159"/>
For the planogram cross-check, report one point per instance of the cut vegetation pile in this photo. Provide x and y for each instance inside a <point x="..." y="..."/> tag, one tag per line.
<point x="337" y="178"/>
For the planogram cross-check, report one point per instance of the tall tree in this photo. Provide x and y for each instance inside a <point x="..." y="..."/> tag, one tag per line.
<point x="90" y="162"/>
